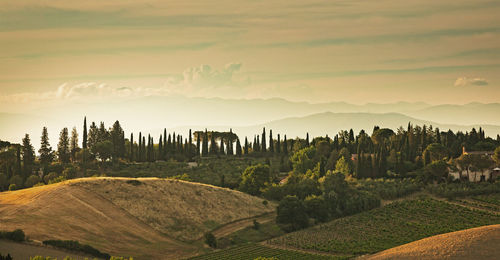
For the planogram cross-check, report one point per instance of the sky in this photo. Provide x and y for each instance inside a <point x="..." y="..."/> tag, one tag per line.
<point x="316" y="51"/>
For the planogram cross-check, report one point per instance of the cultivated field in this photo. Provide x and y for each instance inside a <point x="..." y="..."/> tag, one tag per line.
<point x="382" y="228"/>
<point x="145" y="218"/>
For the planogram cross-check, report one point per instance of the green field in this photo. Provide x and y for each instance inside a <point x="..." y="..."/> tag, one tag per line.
<point x="493" y="199"/>
<point x="252" y="251"/>
<point x="382" y="228"/>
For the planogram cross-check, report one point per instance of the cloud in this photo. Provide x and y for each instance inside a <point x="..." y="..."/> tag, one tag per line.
<point x="90" y="89"/>
<point x="464" y="81"/>
<point x="205" y="79"/>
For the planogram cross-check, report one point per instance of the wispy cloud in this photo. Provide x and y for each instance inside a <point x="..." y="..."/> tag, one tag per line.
<point x="464" y="81"/>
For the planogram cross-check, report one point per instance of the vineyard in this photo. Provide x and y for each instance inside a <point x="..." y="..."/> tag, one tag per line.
<point x="493" y="199"/>
<point x="382" y="228"/>
<point x="252" y="251"/>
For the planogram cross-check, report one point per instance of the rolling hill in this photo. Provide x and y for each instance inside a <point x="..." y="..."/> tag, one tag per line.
<point x="145" y="218"/>
<point x="474" y="243"/>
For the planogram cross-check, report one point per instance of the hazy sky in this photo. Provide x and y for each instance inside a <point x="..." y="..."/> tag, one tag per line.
<point x="444" y="51"/>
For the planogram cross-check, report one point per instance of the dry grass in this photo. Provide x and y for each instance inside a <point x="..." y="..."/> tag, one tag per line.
<point x="475" y="243"/>
<point x="111" y="214"/>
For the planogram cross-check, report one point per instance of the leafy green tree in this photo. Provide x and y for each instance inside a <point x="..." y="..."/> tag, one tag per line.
<point x="344" y="166"/>
<point x="436" y="171"/>
<point x="292" y="214"/>
<point x="436" y="152"/>
<point x="496" y="155"/>
<point x="104" y="150"/>
<point x="63" y="146"/>
<point x="32" y="180"/>
<point x="255" y="178"/>
<point x="303" y="159"/>
<point x="210" y="240"/>
<point x="28" y="155"/>
<point x="45" y="151"/>
<point x="316" y="208"/>
<point x="93" y="137"/>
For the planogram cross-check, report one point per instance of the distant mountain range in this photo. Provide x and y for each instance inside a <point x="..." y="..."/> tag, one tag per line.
<point x="247" y="116"/>
<point x="329" y="123"/>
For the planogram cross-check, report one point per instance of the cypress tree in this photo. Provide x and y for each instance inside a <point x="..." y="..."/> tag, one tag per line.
<point x="222" y="145"/>
<point x="238" y="147"/>
<point x="229" y="147"/>
<point x="307" y="139"/>
<point x="148" y="150"/>
<point x="131" y="147"/>
<point x="278" y="145"/>
<point x="204" y="150"/>
<point x="169" y="145"/>
<point x="213" y="145"/>
<point x="174" y="145"/>
<point x="165" y="148"/>
<point x="264" y="145"/>
<point x="271" y="141"/>
<point x="84" y="141"/>
<point x="143" y="148"/>
<point x="160" y="148"/>
<point x="246" y="146"/>
<point x="285" y="146"/>
<point x="198" y="148"/>
<point x="139" y="155"/>
<point x="189" y="152"/>
<point x="254" y="144"/>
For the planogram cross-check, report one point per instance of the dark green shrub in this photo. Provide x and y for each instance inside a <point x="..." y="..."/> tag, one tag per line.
<point x="76" y="246"/>
<point x="210" y="240"/>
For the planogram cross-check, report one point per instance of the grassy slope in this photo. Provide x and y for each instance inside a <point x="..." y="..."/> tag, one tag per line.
<point x="474" y="243"/>
<point x="382" y="228"/>
<point x="124" y="219"/>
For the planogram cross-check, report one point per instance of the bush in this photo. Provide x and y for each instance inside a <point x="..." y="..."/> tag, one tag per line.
<point x="32" y="180"/>
<point x="256" y="224"/>
<point x="76" y="246"/>
<point x="210" y="240"/>
<point x="17" y="180"/>
<point x="16" y="235"/>
<point x="12" y="187"/>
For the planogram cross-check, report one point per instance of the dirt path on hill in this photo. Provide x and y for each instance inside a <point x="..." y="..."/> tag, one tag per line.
<point x="241" y="224"/>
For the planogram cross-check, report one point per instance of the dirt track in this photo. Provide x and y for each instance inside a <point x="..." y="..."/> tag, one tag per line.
<point x="241" y="224"/>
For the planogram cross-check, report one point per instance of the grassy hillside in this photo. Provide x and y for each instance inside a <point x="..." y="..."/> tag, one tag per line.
<point x="382" y="228"/>
<point x="145" y="218"/>
<point x="474" y="243"/>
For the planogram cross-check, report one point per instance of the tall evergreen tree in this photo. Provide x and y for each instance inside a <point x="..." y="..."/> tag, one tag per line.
<point x="285" y="146"/>
<point x="84" y="141"/>
<point x="148" y="149"/>
<point x="222" y="146"/>
<point x="116" y="134"/>
<point x="73" y="144"/>
<point x="271" y="141"/>
<point x="189" y="144"/>
<point x="246" y="146"/>
<point x="165" y="146"/>
<point x="160" y="147"/>
<point x="93" y="137"/>
<point x="213" y="145"/>
<point x="198" y="144"/>
<point x="139" y="154"/>
<point x="28" y="156"/>
<point x="204" y="150"/>
<point x="264" y="145"/>
<point x="307" y="139"/>
<point x="63" y="146"/>
<point x="131" y="158"/>
<point x="143" y="148"/>
<point x="238" y="147"/>
<point x="278" y="145"/>
<point x="45" y="151"/>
